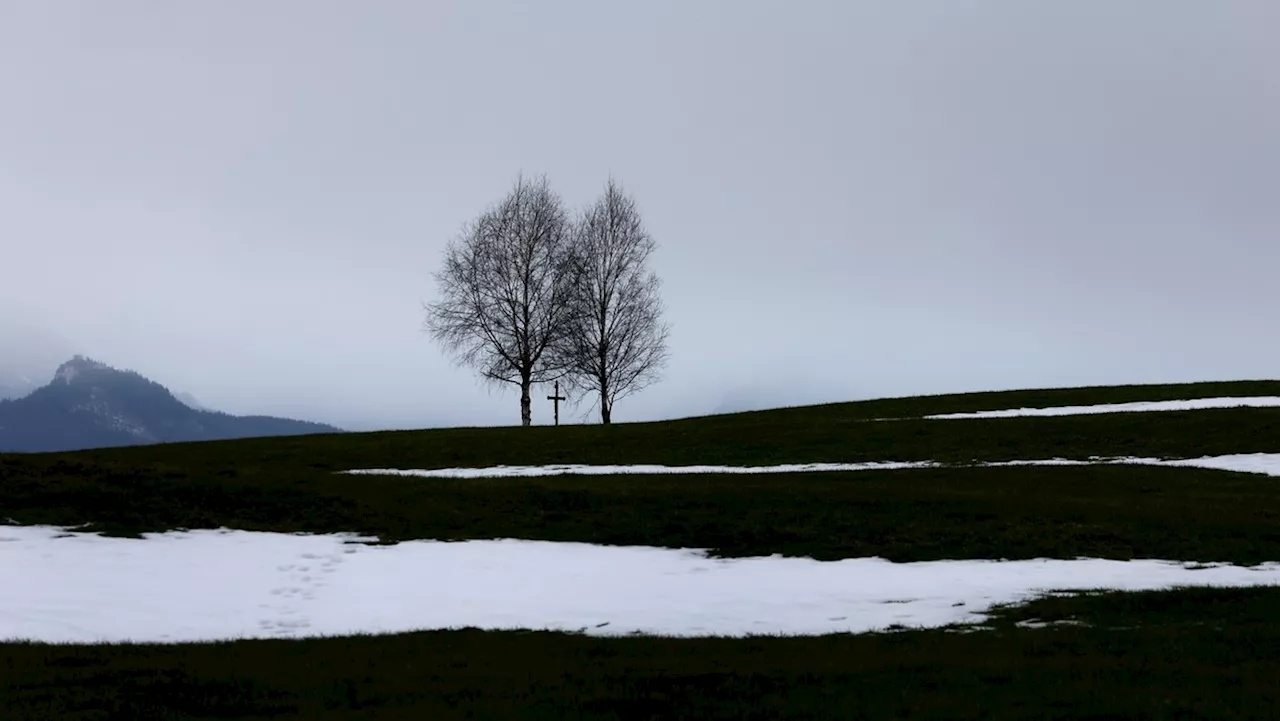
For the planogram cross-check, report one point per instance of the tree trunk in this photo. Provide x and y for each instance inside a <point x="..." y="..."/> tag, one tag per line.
<point x="606" y="412"/>
<point x="526" y="405"/>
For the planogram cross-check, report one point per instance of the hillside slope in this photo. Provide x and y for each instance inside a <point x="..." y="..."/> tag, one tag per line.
<point x="91" y="405"/>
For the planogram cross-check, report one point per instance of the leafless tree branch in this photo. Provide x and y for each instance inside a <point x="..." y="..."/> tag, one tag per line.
<point x="504" y="290"/>
<point x="615" y="343"/>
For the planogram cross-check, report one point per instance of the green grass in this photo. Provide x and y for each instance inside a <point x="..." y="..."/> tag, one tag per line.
<point x="1012" y="512"/>
<point x="1183" y="654"/>
<point x="1197" y="654"/>
<point x="835" y="432"/>
<point x="748" y="439"/>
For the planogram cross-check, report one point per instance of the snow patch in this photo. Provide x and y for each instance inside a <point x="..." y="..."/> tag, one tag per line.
<point x="65" y="586"/>
<point x="1137" y="407"/>
<point x="588" y="470"/>
<point x="1266" y="463"/>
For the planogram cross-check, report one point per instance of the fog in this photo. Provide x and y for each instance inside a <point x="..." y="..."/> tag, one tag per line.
<point x="245" y="201"/>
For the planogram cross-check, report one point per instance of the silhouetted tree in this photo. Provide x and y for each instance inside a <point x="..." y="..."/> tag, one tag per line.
<point x="616" y="342"/>
<point x="504" y="290"/>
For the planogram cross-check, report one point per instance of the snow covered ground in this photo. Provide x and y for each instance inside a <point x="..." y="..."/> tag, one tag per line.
<point x="203" y="585"/>
<point x="1187" y="405"/>
<point x="1267" y="463"/>
<point x="585" y="470"/>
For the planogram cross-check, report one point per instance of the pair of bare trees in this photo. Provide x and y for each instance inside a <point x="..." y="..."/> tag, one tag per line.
<point x="530" y="294"/>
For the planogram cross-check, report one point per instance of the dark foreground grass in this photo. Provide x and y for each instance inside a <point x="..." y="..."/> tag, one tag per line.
<point x="926" y="514"/>
<point x="1208" y="653"/>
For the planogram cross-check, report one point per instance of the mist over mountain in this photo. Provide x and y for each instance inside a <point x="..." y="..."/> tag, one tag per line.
<point x="190" y="401"/>
<point x="29" y="353"/>
<point x="89" y="404"/>
<point x="15" y="386"/>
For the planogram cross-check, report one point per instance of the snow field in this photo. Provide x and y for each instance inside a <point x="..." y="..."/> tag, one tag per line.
<point x="209" y="585"/>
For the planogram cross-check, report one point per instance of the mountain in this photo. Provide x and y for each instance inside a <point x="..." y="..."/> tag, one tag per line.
<point x="92" y="405"/>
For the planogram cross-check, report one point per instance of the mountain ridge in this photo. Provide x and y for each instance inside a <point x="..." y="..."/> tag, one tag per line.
<point x="89" y="404"/>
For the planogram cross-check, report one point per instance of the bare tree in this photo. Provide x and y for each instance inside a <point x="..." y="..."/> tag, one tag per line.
<point x="616" y="342"/>
<point x="504" y="290"/>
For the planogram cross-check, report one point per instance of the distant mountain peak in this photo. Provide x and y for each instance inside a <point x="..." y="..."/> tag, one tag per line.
<point x="78" y="366"/>
<point x="89" y="404"/>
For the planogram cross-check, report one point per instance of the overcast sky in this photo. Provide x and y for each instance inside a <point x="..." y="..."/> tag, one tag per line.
<point x="245" y="199"/>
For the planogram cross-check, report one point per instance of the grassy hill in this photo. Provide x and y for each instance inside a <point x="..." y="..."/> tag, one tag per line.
<point x="1177" y="654"/>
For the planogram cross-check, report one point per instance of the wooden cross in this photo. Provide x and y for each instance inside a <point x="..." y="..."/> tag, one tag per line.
<point x="555" y="401"/>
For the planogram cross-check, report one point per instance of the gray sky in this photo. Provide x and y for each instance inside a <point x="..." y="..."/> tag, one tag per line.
<point x="245" y="199"/>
